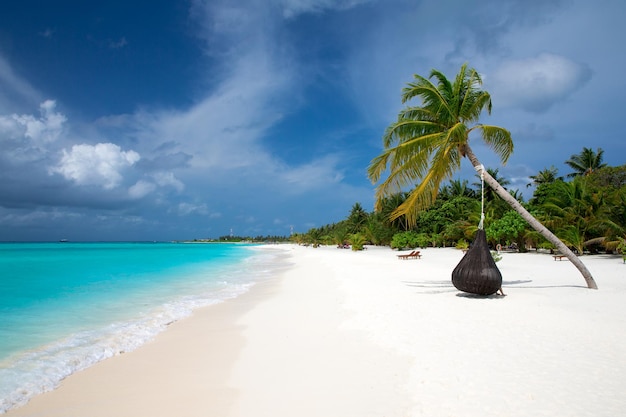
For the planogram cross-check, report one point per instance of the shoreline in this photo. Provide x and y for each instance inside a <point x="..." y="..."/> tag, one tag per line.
<point x="183" y="361"/>
<point x="101" y="317"/>
<point x="363" y="334"/>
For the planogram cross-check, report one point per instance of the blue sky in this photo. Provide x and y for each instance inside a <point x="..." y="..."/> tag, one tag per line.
<point x="160" y="120"/>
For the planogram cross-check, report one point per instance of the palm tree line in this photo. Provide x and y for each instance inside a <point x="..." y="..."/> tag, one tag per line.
<point x="587" y="212"/>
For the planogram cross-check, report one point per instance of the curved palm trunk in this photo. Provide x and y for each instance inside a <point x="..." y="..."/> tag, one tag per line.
<point x="534" y="223"/>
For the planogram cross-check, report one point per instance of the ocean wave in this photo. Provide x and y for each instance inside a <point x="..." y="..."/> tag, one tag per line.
<point x="27" y="374"/>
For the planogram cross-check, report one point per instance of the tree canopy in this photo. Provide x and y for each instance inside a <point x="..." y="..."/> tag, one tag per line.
<point x="425" y="145"/>
<point x="586" y="162"/>
<point x="587" y="212"/>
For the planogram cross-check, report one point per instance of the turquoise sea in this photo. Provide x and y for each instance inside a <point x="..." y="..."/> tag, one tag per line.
<point x="66" y="306"/>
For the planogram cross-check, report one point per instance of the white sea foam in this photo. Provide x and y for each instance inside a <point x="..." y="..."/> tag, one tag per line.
<point x="30" y="373"/>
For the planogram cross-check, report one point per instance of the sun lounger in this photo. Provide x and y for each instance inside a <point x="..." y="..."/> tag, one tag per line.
<point x="413" y="255"/>
<point x="406" y="255"/>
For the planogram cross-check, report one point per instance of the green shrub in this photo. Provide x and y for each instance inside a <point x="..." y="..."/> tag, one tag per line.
<point x="405" y="240"/>
<point x="357" y="241"/>
<point x="422" y="240"/>
<point x="546" y="245"/>
<point x="462" y="244"/>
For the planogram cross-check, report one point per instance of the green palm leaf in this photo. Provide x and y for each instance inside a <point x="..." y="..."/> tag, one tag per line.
<point x="424" y="147"/>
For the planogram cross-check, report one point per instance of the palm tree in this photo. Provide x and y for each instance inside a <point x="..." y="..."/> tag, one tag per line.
<point x="585" y="162"/>
<point x="356" y="219"/>
<point x="314" y="237"/>
<point x="580" y="215"/>
<point x="340" y="235"/>
<point x="388" y="205"/>
<point x="427" y="143"/>
<point x="545" y="176"/>
<point x="357" y="241"/>
<point x="495" y="207"/>
<point x="456" y="188"/>
<point x="495" y="173"/>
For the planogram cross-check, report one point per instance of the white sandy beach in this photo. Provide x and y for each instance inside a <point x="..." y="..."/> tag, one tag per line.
<point x="360" y="334"/>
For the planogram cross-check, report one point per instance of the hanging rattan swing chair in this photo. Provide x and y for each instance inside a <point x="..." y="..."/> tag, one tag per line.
<point x="477" y="272"/>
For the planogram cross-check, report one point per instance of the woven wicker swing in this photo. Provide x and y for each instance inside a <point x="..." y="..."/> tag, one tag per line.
<point x="477" y="272"/>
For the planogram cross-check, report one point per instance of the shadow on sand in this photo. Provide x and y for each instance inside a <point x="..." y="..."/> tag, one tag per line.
<point x="441" y="287"/>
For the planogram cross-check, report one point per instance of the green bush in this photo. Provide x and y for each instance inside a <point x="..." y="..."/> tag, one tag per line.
<point x="546" y="245"/>
<point x="462" y="244"/>
<point x="357" y="241"/>
<point x="404" y="240"/>
<point x="422" y="240"/>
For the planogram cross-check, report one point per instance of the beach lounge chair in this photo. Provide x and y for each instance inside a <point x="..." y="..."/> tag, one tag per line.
<point x="413" y="255"/>
<point x="406" y="255"/>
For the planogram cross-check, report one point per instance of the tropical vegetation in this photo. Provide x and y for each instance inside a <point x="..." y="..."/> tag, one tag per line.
<point x="424" y="148"/>
<point x="588" y="213"/>
<point x="426" y="144"/>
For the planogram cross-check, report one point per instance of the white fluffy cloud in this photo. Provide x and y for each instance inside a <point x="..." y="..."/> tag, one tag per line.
<point x="167" y="179"/>
<point x="535" y="84"/>
<point x="99" y="164"/>
<point x="161" y="179"/>
<point x="38" y="130"/>
<point x="140" y="189"/>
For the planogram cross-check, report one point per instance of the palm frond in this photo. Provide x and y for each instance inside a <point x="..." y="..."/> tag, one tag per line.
<point x="378" y="165"/>
<point x="435" y="98"/>
<point x="406" y="130"/>
<point x="498" y="139"/>
<point x="406" y="162"/>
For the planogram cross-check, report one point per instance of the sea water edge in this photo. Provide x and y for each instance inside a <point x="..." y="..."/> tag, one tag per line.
<point x="38" y="369"/>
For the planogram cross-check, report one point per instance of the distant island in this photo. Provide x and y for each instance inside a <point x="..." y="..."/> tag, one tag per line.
<point x="243" y="239"/>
